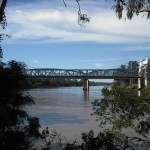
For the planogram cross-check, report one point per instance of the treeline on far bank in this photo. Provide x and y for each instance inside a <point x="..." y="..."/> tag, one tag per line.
<point x="46" y="83"/>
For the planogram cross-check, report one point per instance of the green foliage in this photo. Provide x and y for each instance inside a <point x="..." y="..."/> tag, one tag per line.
<point x="17" y="129"/>
<point x="123" y="108"/>
<point x="52" y="140"/>
<point x="103" y="141"/>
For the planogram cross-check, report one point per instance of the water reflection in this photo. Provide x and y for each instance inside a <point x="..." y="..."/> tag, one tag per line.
<point x="86" y="95"/>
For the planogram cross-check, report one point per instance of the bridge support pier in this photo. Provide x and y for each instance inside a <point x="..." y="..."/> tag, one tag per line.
<point x="131" y="83"/>
<point x="147" y="82"/>
<point x="144" y="72"/>
<point x="139" y="86"/>
<point x="143" y="84"/>
<point x="86" y="85"/>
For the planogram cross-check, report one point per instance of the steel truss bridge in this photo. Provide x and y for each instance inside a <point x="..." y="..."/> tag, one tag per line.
<point x="82" y="73"/>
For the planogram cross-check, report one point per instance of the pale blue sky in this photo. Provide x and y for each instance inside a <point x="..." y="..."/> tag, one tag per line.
<point x="46" y="34"/>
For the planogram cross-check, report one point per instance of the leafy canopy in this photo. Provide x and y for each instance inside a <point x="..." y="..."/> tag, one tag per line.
<point x="122" y="108"/>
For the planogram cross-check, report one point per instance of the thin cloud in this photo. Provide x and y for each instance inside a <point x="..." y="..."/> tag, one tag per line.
<point x="101" y="60"/>
<point x="97" y="62"/>
<point x="137" y="48"/>
<point x="99" y="65"/>
<point x="35" y="61"/>
<point x="48" y="24"/>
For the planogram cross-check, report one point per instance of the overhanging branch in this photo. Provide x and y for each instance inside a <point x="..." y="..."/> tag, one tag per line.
<point x="82" y="18"/>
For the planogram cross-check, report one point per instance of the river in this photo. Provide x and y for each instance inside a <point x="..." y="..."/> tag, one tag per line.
<point x="66" y="110"/>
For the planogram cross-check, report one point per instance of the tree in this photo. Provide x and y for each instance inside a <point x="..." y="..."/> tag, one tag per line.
<point x="2" y="22"/>
<point x="18" y="130"/>
<point x="133" y="65"/>
<point x="2" y="8"/>
<point x="132" y="7"/>
<point x="103" y="141"/>
<point x="123" y="108"/>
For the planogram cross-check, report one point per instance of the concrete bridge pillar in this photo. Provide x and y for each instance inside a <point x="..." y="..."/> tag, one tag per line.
<point x="131" y="83"/>
<point x="139" y="86"/>
<point x="86" y="85"/>
<point x="144" y="72"/>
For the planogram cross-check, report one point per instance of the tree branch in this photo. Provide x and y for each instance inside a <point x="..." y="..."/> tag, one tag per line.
<point x="65" y="3"/>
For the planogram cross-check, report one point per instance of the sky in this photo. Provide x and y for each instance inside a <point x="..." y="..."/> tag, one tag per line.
<point x="46" y="34"/>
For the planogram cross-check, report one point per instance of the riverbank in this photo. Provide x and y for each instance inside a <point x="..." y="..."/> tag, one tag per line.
<point x="52" y="83"/>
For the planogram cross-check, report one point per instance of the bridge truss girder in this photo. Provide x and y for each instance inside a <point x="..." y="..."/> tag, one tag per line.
<point x="82" y="73"/>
